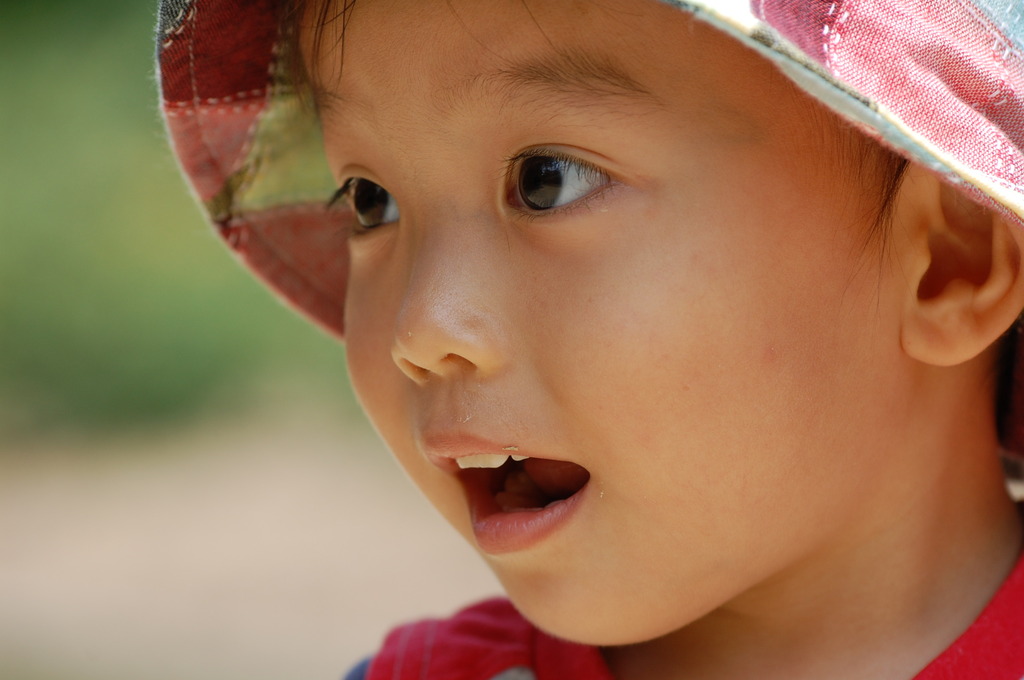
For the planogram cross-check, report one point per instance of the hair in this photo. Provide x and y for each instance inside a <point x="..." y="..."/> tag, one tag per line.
<point x="293" y="16"/>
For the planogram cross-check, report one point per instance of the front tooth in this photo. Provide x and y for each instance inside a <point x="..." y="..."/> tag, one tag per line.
<point x="482" y="460"/>
<point x="519" y="458"/>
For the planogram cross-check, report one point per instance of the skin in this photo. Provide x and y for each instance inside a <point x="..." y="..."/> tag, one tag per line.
<point x="780" y="486"/>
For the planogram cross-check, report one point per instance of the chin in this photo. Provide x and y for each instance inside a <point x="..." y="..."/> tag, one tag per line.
<point x="582" y="614"/>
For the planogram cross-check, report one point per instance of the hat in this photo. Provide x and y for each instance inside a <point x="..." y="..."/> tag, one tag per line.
<point x="939" y="81"/>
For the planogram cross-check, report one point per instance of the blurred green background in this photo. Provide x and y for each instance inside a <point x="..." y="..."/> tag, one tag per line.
<point x="187" y="490"/>
<point x="118" y="306"/>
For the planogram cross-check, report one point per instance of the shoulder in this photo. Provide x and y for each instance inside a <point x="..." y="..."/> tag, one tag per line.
<point x="490" y="640"/>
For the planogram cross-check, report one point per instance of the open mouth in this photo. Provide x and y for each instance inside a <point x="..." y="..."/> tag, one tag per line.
<point x="516" y="484"/>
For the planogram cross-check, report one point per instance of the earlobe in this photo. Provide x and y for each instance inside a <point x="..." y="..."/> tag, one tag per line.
<point x="967" y="286"/>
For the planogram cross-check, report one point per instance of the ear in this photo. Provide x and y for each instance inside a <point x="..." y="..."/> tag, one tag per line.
<point x="964" y="263"/>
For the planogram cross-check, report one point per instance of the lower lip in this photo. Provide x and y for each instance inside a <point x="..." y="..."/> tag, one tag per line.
<point x="499" y="532"/>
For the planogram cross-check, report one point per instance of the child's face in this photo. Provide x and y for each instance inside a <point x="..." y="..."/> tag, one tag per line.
<point x="696" y="318"/>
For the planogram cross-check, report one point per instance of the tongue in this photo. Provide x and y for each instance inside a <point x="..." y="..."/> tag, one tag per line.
<point x="537" y="482"/>
<point x="556" y="478"/>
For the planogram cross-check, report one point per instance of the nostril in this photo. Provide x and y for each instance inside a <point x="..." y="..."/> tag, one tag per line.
<point x="448" y="364"/>
<point x="457" y="361"/>
<point x="416" y="373"/>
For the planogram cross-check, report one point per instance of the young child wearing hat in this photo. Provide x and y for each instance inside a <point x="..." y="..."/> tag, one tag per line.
<point x="696" y="319"/>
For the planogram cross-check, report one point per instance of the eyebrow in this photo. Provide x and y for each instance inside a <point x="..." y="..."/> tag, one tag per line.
<point x="567" y="75"/>
<point x="573" y="78"/>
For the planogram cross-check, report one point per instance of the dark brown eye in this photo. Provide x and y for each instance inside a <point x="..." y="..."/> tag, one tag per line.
<point x="371" y="203"/>
<point x="547" y="181"/>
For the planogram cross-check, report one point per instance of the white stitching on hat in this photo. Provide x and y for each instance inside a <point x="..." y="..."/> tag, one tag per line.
<point x="218" y="109"/>
<point x="192" y="78"/>
<point x="180" y="22"/>
<point x="249" y="147"/>
<point x="1000" y="42"/>
<point x="216" y="105"/>
<point x="831" y="34"/>
<point x="200" y="132"/>
<point x="244" y="94"/>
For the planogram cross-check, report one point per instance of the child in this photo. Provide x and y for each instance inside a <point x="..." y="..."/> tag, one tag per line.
<point x="694" y="318"/>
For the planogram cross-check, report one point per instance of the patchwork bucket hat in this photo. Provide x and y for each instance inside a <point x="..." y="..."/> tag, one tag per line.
<point x="939" y="81"/>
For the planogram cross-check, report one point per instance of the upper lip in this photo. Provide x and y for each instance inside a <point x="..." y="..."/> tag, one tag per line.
<point x="443" y="448"/>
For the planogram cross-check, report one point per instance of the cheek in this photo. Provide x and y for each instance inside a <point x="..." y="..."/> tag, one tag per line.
<point x="388" y="398"/>
<point x="724" y="448"/>
<point x="377" y="381"/>
<point x="368" y="344"/>
<point x="720" y="375"/>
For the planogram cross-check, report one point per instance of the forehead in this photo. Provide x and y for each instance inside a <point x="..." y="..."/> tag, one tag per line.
<point x="434" y="57"/>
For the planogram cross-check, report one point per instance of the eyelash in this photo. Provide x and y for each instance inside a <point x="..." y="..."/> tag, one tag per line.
<point x="341" y="192"/>
<point x="513" y="165"/>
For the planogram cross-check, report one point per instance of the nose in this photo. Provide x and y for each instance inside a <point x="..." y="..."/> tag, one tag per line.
<point x="450" y="320"/>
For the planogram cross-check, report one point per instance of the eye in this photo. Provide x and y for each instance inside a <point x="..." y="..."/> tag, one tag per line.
<point x="545" y="181"/>
<point x="371" y="203"/>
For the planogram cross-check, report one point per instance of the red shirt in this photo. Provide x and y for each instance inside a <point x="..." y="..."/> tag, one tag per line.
<point x="492" y="641"/>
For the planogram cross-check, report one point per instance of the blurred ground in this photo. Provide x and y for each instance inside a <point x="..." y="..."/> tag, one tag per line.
<point x="280" y="547"/>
